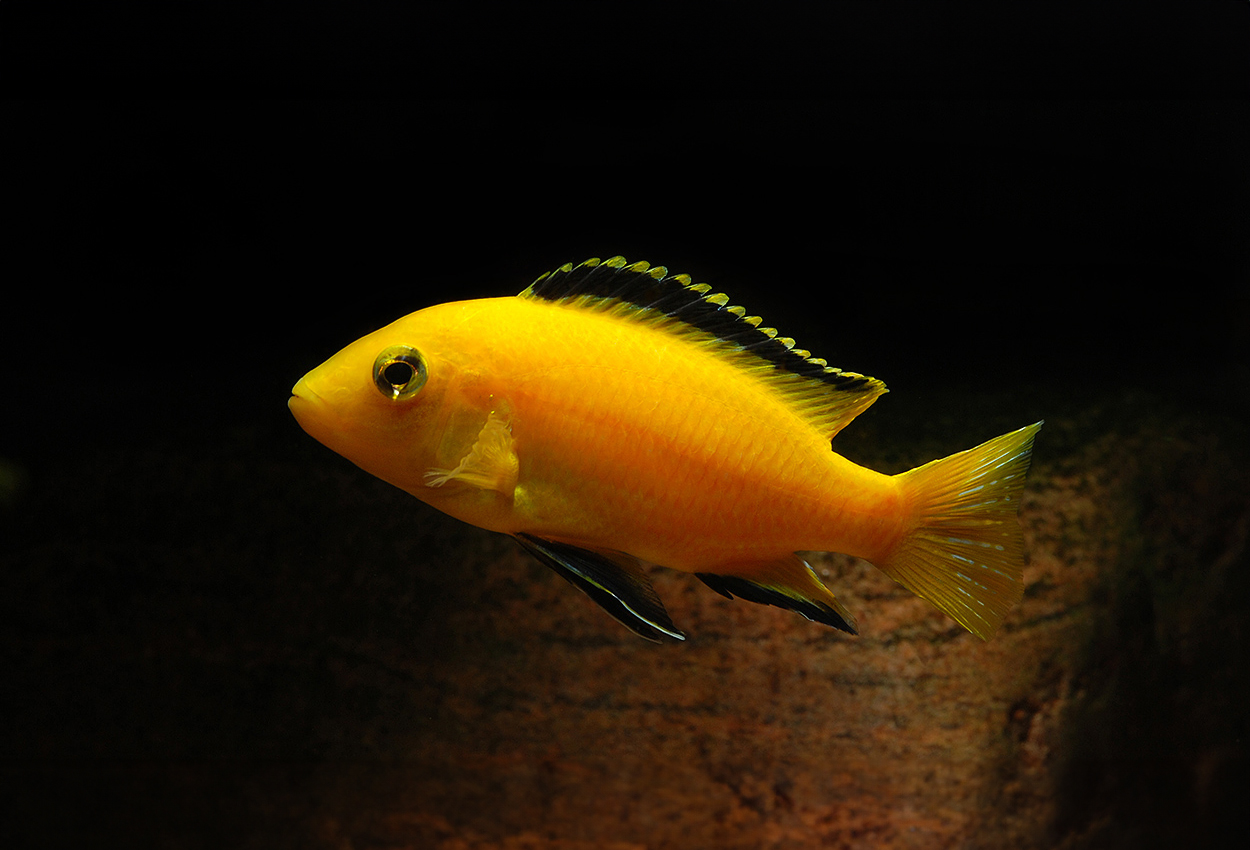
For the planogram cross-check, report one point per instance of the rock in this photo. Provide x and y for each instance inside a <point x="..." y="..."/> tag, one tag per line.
<point x="269" y="648"/>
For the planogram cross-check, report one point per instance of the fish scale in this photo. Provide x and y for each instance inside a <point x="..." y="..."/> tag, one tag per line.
<point x="714" y="477"/>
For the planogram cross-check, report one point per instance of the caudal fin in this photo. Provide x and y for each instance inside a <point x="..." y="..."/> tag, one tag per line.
<point x="965" y="552"/>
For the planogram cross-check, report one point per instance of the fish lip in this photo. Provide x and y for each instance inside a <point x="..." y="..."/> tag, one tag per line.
<point x="317" y="417"/>
<point x="301" y="390"/>
<point x="303" y="396"/>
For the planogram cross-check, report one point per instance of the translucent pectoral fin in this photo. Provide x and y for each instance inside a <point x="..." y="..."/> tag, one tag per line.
<point x="491" y="464"/>
<point x="613" y="579"/>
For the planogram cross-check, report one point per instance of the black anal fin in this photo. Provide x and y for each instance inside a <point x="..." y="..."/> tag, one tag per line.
<point x="788" y="584"/>
<point x="615" y="580"/>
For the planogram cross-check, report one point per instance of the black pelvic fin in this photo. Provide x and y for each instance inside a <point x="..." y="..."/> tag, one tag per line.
<point x="617" y="582"/>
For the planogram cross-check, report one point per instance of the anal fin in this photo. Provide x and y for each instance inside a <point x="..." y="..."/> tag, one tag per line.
<point x="788" y="583"/>
<point x="613" y="579"/>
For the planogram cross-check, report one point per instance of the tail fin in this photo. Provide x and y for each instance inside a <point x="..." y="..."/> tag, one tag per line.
<point x="965" y="552"/>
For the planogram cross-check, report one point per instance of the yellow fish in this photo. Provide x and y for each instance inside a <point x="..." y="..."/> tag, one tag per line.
<point x="613" y="414"/>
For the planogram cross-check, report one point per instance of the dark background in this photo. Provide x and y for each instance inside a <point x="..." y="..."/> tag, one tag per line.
<point x="190" y="260"/>
<point x="948" y="198"/>
<point x="201" y="209"/>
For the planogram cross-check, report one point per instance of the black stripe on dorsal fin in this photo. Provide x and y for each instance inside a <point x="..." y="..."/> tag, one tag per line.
<point x="654" y="293"/>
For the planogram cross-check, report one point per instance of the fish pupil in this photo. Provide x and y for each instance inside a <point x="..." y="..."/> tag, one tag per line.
<point x="399" y="374"/>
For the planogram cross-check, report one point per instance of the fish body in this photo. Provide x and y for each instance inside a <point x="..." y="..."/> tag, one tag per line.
<point x="612" y="414"/>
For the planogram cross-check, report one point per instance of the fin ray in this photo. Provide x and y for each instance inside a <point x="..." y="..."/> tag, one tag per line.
<point x="491" y="463"/>
<point x="965" y="554"/>
<point x="614" y="580"/>
<point x="828" y="397"/>
<point x="790" y="583"/>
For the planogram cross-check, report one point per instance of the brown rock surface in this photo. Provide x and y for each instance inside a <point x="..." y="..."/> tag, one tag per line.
<point x="268" y="648"/>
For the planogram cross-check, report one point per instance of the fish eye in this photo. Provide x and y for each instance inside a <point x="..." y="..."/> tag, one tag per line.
<point x="399" y="372"/>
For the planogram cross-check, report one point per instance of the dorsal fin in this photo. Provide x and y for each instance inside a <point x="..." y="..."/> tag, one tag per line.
<point x="828" y="396"/>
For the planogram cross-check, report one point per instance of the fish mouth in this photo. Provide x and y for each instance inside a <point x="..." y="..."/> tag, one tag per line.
<point x="305" y="405"/>
<point x="301" y="393"/>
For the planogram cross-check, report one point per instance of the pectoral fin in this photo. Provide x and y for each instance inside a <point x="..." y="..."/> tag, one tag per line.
<point x="490" y="464"/>
<point x="613" y="579"/>
<point x="788" y="583"/>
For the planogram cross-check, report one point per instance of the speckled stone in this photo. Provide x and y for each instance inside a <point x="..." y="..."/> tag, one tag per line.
<point x="267" y="647"/>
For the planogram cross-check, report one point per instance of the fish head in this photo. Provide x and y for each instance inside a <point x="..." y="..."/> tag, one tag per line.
<point x="380" y="401"/>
